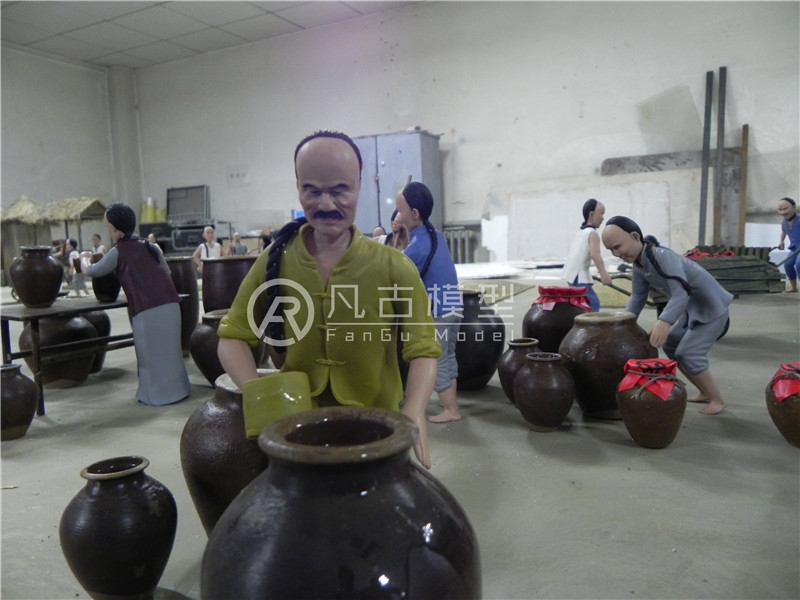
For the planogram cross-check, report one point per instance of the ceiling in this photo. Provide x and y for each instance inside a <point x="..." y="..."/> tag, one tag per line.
<point x="141" y="34"/>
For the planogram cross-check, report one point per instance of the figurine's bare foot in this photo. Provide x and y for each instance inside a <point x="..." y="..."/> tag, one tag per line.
<point x="713" y="408"/>
<point x="445" y="417"/>
<point x="698" y="398"/>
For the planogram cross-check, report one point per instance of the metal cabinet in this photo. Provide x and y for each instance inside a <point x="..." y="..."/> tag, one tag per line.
<point x="389" y="160"/>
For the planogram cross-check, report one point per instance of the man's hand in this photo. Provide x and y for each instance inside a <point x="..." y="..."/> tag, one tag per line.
<point x="421" y="450"/>
<point x="659" y="334"/>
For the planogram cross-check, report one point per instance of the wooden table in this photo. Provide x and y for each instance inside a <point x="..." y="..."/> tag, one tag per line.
<point x="62" y="307"/>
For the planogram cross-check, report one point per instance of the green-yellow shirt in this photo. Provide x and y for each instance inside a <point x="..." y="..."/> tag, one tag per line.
<point x="351" y="344"/>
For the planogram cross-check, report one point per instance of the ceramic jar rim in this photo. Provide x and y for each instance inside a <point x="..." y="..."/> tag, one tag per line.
<point x="605" y="317"/>
<point x="272" y="439"/>
<point x="177" y="258"/>
<point x="37" y="247"/>
<point x="228" y="258"/>
<point x="523" y="341"/>
<point x="115" y="468"/>
<point x="11" y="367"/>
<point x="544" y="356"/>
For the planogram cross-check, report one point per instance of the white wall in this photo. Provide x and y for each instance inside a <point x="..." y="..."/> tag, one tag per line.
<point x="520" y="92"/>
<point x="56" y="138"/>
<point x="545" y="216"/>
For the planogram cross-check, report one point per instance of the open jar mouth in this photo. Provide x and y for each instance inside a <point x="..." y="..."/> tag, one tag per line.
<point x="523" y="342"/>
<point x="606" y="316"/>
<point x="543" y="356"/>
<point x="114" y="468"/>
<point x="339" y="434"/>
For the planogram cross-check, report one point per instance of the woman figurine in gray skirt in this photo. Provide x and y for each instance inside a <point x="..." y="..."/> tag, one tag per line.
<point x="153" y="307"/>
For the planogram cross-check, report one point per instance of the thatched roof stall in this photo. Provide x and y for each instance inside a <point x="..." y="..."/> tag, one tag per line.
<point x="73" y="210"/>
<point x="22" y="211"/>
<point x="22" y="225"/>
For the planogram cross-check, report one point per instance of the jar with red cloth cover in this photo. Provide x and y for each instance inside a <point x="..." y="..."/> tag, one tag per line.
<point x="553" y="313"/>
<point x="783" y="401"/>
<point x="652" y="401"/>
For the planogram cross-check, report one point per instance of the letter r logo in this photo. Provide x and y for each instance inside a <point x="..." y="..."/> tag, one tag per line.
<point x="291" y="305"/>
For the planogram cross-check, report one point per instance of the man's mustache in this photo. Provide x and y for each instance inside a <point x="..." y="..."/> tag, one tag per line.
<point x="328" y="214"/>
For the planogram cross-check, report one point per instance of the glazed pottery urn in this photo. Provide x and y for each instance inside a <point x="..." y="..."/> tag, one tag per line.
<point x="553" y="313"/>
<point x="184" y="276"/>
<point x="203" y="346"/>
<point x="595" y="351"/>
<point x="512" y="360"/>
<point x="19" y="398"/>
<point x="544" y="391"/>
<point x="342" y="512"/>
<point x="72" y="370"/>
<point x="222" y="278"/>
<point x="481" y="339"/>
<point x="37" y="276"/>
<point x="117" y="532"/>
<point x="106" y="288"/>
<point x="217" y="459"/>
<point x="652" y="401"/>
<point x="783" y="401"/>
<point x="102" y="325"/>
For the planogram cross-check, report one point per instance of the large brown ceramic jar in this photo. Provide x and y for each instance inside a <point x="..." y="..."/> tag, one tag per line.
<point x="783" y="401"/>
<point x="512" y="360"/>
<point x="37" y="276"/>
<point x="552" y="314"/>
<point x="106" y="287"/>
<point x="19" y="398"/>
<point x="342" y="512"/>
<point x="117" y="532"/>
<point x="73" y="369"/>
<point x="481" y="339"/>
<point x="595" y="351"/>
<point x="544" y="390"/>
<point x="102" y="325"/>
<point x="203" y="346"/>
<point x="652" y="401"/>
<point x="222" y="278"/>
<point x="184" y="276"/>
<point x="217" y="459"/>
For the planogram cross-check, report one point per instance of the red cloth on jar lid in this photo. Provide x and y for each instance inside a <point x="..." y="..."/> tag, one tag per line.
<point x="786" y="381"/>
<point x="656" y="374"/>
<point x="549" y="296"/>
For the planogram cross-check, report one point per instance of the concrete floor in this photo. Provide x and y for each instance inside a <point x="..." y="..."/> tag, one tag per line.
<point x="582" y="512"/>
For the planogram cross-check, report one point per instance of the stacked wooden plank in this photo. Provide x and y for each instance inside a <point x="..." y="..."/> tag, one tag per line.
<point x="743" y="274"/>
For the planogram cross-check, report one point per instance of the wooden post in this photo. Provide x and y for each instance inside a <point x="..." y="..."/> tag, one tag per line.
<point x="717" y="235"/>
<point x="743" y="153"/>
<point x="701" y="235"/>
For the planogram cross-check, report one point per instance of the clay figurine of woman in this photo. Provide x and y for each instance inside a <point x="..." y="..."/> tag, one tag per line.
<point x="584" y="250"/>
<point x="153" y="308"/>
